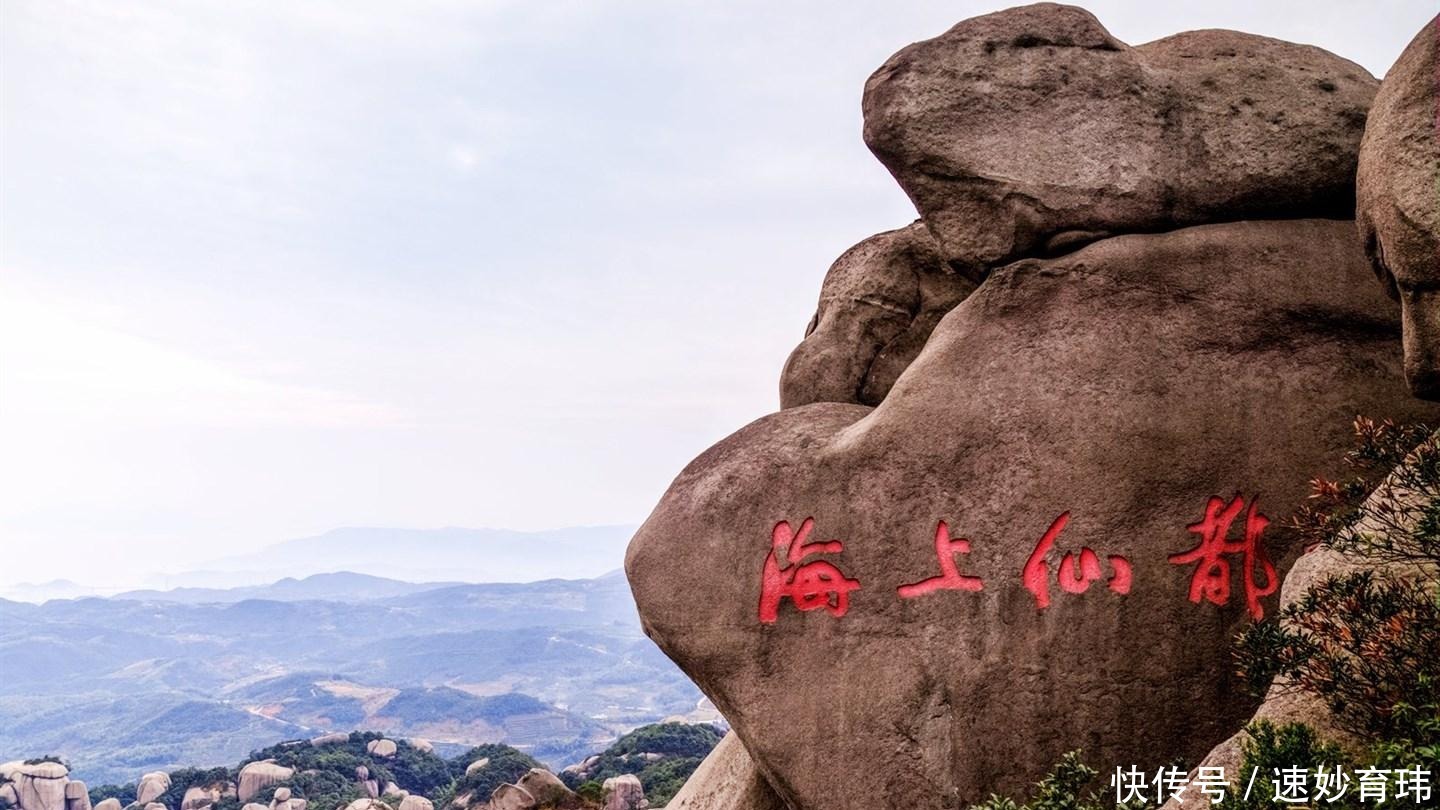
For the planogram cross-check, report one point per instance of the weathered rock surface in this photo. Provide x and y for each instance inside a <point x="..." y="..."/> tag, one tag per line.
<point x="582" y="768"/>
<point x="726" y="780"/>
<point x="381" y="748"/>
<point x="330" y="739"/>
<point x="151" y="787"/>
<point x="624" y="792"/>
<point x="41" y="786"/>
<point x="1283" y="704"/>
<point x="476" y="765"/>
<point x="1029" y="130"/>
<point x="511" y="797"/>
<point x="256" y="776"/>
<point x="422" y="744"/>
<point x="546" y="788"/>
<point x="109" y="804"/>
<point x="413" y="802"/>
<point x="1398" y="200"/>
<point x="197" y="797"/>
<point x="77" y="795"/>
<point x="878" y="305"/>
<point x="1122" y="385"/>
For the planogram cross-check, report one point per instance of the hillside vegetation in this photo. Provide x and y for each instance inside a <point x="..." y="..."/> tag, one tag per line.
<point x="338" y="770"/>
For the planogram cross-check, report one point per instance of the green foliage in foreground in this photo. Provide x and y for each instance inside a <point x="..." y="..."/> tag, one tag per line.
<point x="1067" y="787"/>
<point x="1367" y="644"/>
<point x="1266" y="750"/>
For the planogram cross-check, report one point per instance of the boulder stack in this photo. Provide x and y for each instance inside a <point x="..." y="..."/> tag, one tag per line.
<point x="511" y="797"/>
<point x="256" y="776"/>
<point x="41" y="786"/>
<point x="1038" y="451"/>
<point x="546" y="788"/>
<point x="1034" y="129"/>
<point x="151" y="787"/>
<point x="624" y="792"/>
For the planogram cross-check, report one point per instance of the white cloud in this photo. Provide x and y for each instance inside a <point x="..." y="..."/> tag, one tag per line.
<point x="65" y="363"/>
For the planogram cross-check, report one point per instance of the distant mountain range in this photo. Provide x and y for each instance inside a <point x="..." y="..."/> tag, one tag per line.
<point x="425" y="556"/>
<point x="341" y="586"/>
<point x="201" y="676"/>
<point x="428" y="555"/>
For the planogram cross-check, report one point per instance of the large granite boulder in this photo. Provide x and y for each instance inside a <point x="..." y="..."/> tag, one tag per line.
<point x="476" y="765"/>
<point x="1031" y="130"/>
<point x="726" y="780"/>
<point x="878" y="305"/>
<point x="256" y="776"/>
<point x="1398" y="200"/>
<point x="511" y="797"/>
<point x="546" y="788"/>
<point x="111" y="803"/>
<point x="1044" y="537"/>
<point x="77" y="795"/>
<point x="381" y="748"/>
<point x="624" y="792"/>
<point x="151" y="787"/>
<point x="41" y="786"/>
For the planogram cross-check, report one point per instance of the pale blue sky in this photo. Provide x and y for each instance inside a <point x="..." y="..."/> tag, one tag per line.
<point x="271" y="268"/>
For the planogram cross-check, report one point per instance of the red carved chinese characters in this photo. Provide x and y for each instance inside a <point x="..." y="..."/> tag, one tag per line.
<point x="1211" y="579"/>
<point x="950" y="578"/>
<point x="1075" y="574"/>
<point x="810" y="585"/>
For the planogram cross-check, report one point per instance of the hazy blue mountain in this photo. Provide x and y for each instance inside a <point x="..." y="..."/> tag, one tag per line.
<point x="341" y="586"/>
<point x="428" y="555"/>
<point x="42" y="591"/>
<point x="119" y="686"/>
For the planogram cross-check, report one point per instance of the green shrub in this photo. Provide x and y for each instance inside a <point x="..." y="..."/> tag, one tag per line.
<point x="1064" y="788"/>
<point x="1268" y="748"/>
<point x="1368" y="643"/>
<point x="183" y="779"/>
<point x="125" y="794"/>
<point x="682" y="746"/>
<point x="506" y="765"/>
